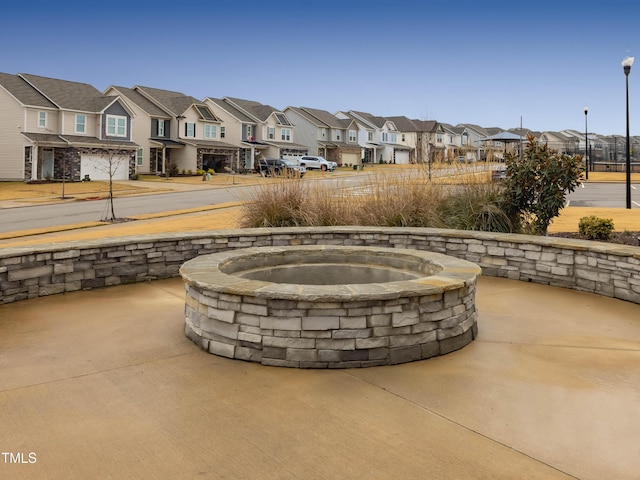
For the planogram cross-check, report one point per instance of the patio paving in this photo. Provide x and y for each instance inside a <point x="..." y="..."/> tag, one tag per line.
<point x="104" y="384"/>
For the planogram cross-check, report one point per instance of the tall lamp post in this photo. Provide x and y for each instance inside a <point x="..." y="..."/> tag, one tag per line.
<point x="586" y="143"/>
<point x="626" y="65"/>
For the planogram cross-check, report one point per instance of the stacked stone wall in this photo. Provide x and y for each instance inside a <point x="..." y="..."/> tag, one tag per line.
<point x="35" y="271"/>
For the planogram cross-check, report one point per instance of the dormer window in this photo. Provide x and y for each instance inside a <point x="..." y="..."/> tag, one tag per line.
<point x="282" y="120"/>
<point x="205" y="113"/>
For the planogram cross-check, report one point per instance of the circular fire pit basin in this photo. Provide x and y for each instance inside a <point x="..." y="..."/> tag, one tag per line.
<point x="329" y="306"/>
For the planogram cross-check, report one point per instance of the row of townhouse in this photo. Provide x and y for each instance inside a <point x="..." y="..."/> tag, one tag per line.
<point x="53" y="129"/>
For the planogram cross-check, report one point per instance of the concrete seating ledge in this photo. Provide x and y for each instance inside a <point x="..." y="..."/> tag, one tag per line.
<point x="39" y="270"/>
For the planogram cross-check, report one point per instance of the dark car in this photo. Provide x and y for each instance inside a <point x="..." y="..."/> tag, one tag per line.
<point x="271" y="166"/>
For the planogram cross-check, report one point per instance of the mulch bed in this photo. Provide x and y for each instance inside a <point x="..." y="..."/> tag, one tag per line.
<point x="622" y="238"/>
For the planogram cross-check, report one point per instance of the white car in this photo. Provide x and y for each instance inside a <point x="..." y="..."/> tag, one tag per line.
<point x="294" y="168"/>
<point x="317" y="163"/>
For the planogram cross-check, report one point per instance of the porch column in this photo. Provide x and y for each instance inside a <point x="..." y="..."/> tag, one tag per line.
<point x="164" y="159"/>
<point x="34" y="162"/>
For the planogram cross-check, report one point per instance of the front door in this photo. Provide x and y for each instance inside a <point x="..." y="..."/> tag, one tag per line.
<point x="47" y="163"/>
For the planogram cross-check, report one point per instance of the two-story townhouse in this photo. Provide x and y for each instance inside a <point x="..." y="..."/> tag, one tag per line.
<point x="271" y="128"/>
<point x="151" y="131"/>
<point x="64" y="130"/>
<point x="326" y="135"/>
<point x="195" y="143"/>
<point x="385" y="139"/>
<point x="473" y="137"/>
<point x="453" y="144"/>
<point x="238" y="129"/>
<point x="430" y="141"/>
<point x="407" y="139"/>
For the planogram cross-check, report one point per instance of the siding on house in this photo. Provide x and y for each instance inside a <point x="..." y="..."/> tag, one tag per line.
<point x="12" y="143"/>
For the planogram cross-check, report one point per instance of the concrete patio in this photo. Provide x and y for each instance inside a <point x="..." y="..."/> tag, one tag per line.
<point x="104" y="384"/>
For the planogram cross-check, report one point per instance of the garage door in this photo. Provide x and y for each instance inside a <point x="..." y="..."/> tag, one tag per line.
<point x="350" y="159"/>
<point x="402" y="157"/>
<point x="98" y="167"/>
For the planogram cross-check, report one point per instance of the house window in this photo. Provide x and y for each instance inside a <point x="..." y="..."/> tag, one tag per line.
<point x="338" y="135"/>
<point x="282" y="120"/>
<point x="352" y="135"/>
<point x="210" y="131"/>
<point x="324" y="133"/>
<point x="271" y="133"/>
<point x="286" y="134"/>
<point x="116" y="126"/>
<point x="394" y="137"/>
<point x="139" y="156"/>
<point x="385" y="137"/>
<point x="223" y="132"/>
<point x="81" y="123"/>
<point x="189" y="129"/>
<point x="370" y="136"/>
<point x="42" y="119"/>
<point x="439" y="137"/>
<point x="404" y="138"/>
<point x="161" y="128"/>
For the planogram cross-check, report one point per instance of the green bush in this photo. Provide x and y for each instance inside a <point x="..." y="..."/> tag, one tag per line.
<point x="595" y="228"/>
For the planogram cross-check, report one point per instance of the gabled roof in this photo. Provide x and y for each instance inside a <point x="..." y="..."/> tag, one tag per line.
<point x="377" y="122"/>
<point x="327" y="118"/>
<point x="403" y="124"/>
<point x="256" y="110"/>
<point x="429" y="126"/>
<point x="23" y="92"/>
<point x="175" y="103"/>
<point x="457" y="130"/>
<point x="141" y="101"/>
<point x="231" y="110"/>
<point x="477" y="129"/>
<point x="69" y="95"/>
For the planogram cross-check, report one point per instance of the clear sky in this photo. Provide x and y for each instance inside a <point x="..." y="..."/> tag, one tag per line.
<point x="489" y="62"/>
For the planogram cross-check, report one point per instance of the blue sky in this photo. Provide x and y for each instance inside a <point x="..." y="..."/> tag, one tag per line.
<point x="485" y="62"/>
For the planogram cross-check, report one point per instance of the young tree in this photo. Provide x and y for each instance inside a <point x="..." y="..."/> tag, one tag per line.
<point x="537" y="183"/>
<point x="114" y="160"/>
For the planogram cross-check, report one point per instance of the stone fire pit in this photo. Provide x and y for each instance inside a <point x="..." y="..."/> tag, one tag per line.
<point x="329" y="306"/>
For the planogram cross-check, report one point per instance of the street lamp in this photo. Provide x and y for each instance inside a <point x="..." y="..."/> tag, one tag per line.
<point x="586" y="143"/>
<point x="626" y="65"/>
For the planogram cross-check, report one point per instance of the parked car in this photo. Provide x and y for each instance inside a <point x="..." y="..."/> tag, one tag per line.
<point x="294" y="168"/>
<point x="270" y="166"/>
<point x="498" y="175"/>
<point x="311" y="162"/>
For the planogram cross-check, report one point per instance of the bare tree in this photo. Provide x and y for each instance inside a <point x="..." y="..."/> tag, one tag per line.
<point x="115" y="158"/>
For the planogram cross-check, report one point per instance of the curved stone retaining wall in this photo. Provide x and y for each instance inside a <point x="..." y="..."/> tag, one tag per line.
<point x="601" y="268"/>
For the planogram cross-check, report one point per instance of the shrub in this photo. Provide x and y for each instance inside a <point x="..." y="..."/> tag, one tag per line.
<point x="211" y="171"/>
<point x="595" y="228"/>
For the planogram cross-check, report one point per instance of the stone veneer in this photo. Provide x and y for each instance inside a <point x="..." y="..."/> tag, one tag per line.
<point x="38" y="270"/>
<point x="407" y="305"/>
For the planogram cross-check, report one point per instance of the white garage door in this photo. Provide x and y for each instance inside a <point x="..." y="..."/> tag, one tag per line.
<point x="402" y="157"/>
<point x="98" y="167"/>
<point x="350" y="159"/>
